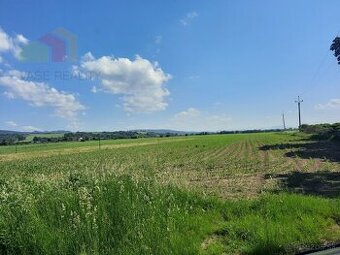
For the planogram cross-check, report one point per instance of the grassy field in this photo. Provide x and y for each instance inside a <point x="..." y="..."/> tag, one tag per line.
<point x="30" y="137"/>
<point x="218" y="194"/>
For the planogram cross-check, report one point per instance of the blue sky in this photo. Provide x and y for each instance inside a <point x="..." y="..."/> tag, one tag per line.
<point x="187" y="65"/>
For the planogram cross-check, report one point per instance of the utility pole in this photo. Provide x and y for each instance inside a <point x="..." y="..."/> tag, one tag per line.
<point x="299" y="101"/>
<point x="284" y="121"/>
<point x="99" y="142"/>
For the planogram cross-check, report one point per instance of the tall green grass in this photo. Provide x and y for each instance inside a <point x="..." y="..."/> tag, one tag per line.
<point x="279" y="224"/>
<point x="118" y="215"/>
<point x="86" y="216"/>
<point x="143" y="199"/>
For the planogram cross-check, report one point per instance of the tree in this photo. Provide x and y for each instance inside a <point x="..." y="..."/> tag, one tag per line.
<point x="336" y="48"/>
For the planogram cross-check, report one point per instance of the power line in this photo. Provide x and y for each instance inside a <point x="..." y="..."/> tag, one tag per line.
<point x="317" y="73"/>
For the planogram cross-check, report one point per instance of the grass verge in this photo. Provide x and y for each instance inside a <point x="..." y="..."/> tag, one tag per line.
<point x="82" y="215"/>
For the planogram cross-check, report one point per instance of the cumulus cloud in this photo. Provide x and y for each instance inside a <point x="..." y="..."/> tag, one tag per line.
<point x="189" y="113"/>
<point x="194" y="119"/>
<point x="12" y="44"/>
<point x="94" y="89"/>
<point x="188" y="18"/>
<point x="5" y="41"/>
<point x="330" y="105"/>
<point x="40" y="94"/>
<point x="140" y="82"/>
<point x="21" y="39"/>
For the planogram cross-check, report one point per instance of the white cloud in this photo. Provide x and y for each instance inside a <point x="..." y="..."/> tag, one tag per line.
<point x="30" y="128"/>
<point x="5" y="41"/>
<point x="87" y="57"/>
<point x="139" y="82"/>
<point x="9" y="95"/>
<point x="190" y="112"/>
<point x="330" y="105"/>
<point x="11" y="123"/>
<point x="21" y="39"/>
<point x="94" y="89"/>
<point x="39" y="94"/>
<point x="188" y="18"/>
<point x="27" y="128"/>
<point x="12" y="44"/>
<point x="194" y="119"/>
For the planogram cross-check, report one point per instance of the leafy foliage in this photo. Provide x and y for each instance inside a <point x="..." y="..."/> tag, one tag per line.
<point x="336" y="48"/>
<point x="323" y="131"/>
<point x="8" y="139"/>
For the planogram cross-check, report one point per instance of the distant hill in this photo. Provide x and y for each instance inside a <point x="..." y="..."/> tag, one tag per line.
<point x="51" y="132"/>
<point x="11" y="132"/>
<point x="165" y="131"/>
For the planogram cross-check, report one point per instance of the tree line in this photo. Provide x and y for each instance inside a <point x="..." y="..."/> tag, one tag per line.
<point x="323" y="131"/>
